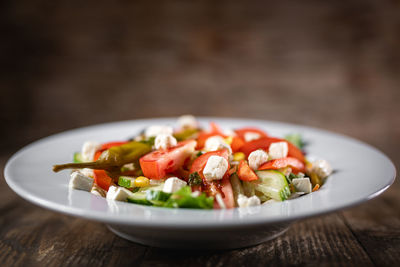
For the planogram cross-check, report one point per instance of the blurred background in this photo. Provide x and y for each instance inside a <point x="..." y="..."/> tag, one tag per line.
<point x="328" y="64"/>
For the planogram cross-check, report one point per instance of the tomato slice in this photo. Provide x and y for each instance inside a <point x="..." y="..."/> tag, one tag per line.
<point x="157" y="164"/>
<point x="264" y="143"/>
<point x="199" y="163"/>
<point x="237" y="144"/>
<point x="227" y="195"/>
<point x="274" y="164"/>
<point x="100" y="176"/>
<point x="242" y="131"/>
<point x="245" y="173"/>
<point x="204" y="135"/>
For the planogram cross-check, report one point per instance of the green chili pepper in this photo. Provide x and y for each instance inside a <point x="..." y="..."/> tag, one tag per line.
<point x="186" y="134"/>
<point x="111" y="159"/>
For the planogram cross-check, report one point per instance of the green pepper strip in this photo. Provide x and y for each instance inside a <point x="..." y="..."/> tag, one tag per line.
<point x="111" y="158"/>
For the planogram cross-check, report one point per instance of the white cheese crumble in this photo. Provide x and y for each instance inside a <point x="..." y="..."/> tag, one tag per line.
<point x="173" y="184"/>
<point x="155" y="130"/>
<point x="87" y="172"/>
<point x="164" y="141"/>
<point x="250" y="136"/>
<point x="256" y="158"/>
<point x="215" y="168"/>
<point x="80" y="181"/>
<point x="187" y="121"/>
<point x="302" y="184"/>
<point x="278" y="150"/>
<point x="118" y="193"/>
<point x="322" y="168"/>
<point x="244" y="201"/>
<point x="216" y="142"/>
<point x="89" y="148"/>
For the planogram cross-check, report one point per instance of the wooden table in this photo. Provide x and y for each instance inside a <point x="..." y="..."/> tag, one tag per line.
<point x="328" y="64"/>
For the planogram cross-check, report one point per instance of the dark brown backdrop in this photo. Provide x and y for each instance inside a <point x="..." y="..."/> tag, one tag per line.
<point x="329" y="64"/>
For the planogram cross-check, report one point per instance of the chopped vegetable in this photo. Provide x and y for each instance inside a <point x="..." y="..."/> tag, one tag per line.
<point x="245" y="173"/>
<point x="142" y="181"/>
<point x="316" y="187"/>
<point x="194" y="179"/>
<point x="295" y="139"/>
<point x="273" y="184"/>
<point x="295" y="164"/>
<point x="78" y="157"/>
<point x="184" y="198"/>
<point x="111" y="159"/>
<point x="238" y="156"/>
<point x="125" y="181"/>
<point x="157" y="164"/>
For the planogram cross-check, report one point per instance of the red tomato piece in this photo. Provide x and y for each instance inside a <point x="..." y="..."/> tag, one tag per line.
<point x="237" y="144"/>
<point x="265" y="142"/>
<point x="100" y="176"/>
<point x="227" y="195"/>
<point x="199" y="163"/>
<point x="158" y="163"/>
<point x="102" y="179"/>
<point x="242" y="131"/>
<point x="245" y="173"/>
<point x="274" y="164"/>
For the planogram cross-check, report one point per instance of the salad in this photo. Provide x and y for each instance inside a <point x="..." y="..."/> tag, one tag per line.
<point x="193" y="167"/>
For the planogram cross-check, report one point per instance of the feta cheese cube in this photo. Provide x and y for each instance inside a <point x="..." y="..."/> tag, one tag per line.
<point x="187" y="121"/>
<point x="214" y="143"/>
<point x="80" y="181"/>
<point x="256" y="158"/>
<point x="244" y="201"/>
<point x="278" y="150"/>
<point x="155" y="130"/>
<point x="173" y="184"/>
<point x="322" y="168"/>
<point x="302" y="184"/>
<point x="87" y="172"/>
<point x="250" y="136"/>
<point x="118" y="193"/>
<point x="164" y="141"/>
<point x="89" y="148"/>
<point x="215" y="168"/>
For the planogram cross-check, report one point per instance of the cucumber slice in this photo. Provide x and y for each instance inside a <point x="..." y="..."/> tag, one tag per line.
<point x="236" y="186"/>
<point x="126" y="181"/>
<point x="157" y="198"/>
<point x="273" y="184"/>
<point x="78" y="158"/>
<point x="139" y="198"/>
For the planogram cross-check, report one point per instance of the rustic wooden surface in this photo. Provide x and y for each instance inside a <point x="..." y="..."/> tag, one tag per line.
<point x="329" y="64"/>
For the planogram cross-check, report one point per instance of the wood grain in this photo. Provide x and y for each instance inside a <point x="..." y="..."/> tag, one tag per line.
<point x="328" y="64"/>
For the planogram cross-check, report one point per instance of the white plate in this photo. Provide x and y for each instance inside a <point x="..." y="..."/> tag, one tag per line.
<point x="361" y="173"/>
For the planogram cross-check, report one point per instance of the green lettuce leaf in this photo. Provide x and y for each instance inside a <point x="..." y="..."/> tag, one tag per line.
<point x="183" y="198"/>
